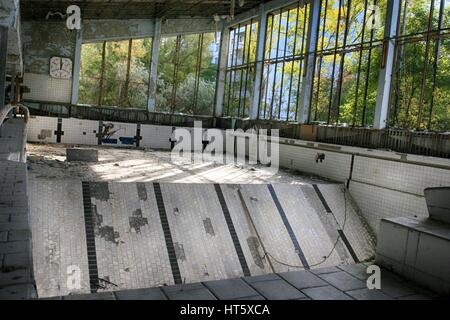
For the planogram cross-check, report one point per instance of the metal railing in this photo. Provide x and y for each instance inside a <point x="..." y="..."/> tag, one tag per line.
<point x="116" y="114"/>
<point x="425" y="143"/>
<point x="404" y="141"/>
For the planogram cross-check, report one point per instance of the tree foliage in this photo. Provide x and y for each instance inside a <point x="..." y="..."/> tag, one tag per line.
<point x="194" y="83"/>
<point x="118" y="84"/>
<point x="347" y="66"/>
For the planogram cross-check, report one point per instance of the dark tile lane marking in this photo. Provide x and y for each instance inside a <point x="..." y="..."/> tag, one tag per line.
<point x="232" y="230"/>
<point x="167" y="234"/>
<point x="294" y="240"/>
<point x="90" y="237"/>
<point x="340" y="231"/>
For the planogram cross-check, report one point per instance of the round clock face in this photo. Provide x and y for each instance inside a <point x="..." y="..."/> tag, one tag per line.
<point x="60" y="68"/>
<point x="55" y="67"/>
<point x="66" y="68"/>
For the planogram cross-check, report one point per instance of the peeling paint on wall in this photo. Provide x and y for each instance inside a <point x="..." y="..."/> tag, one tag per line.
<point x="43" y="40"/>
<point x="185" y="26"/>
<point x="99" y="30"/>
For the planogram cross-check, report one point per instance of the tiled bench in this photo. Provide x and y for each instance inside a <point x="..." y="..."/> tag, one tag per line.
<point x="417" y="249"/>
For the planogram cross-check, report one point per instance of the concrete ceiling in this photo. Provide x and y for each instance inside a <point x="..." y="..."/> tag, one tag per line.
<point x="135" y="9"/>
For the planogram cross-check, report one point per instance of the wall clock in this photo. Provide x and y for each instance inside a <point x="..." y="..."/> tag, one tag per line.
<point x="61" y="68"/>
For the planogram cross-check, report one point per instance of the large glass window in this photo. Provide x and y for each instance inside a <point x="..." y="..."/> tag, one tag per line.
<point x="187" y="71"/>
<point x="349" y="50"/>
<point x="420" y="89"/>
<point x="284" y="61"/>
<point x="115" y="73"/>
<point x="240" y="74"/>
<point x="90" y="73"/>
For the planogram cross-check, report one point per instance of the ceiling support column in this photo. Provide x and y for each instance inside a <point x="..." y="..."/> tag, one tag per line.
<point x="76" y="68"/>
<point x="304" y="111"/>
<point x="387" y="64"/>
<point x="259" y="68"/>
<point x="153" y="77"/>
<point x="222" y="71"/>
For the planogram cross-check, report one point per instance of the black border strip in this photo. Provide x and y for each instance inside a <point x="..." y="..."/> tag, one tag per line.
<point x="348" y="245"/>
<point x="90" y="237"/>
<point x="340" y="231"/>
<point x="138" y="136"/>
<point x="167" y="234"/>
<point x="58" y="132"/>
<point x="233" y="234"/>
<point x="322" y="198"/>
<point x="352" y="164"/>
<point x="100" y="133"/>
<point x="291" y="233"/>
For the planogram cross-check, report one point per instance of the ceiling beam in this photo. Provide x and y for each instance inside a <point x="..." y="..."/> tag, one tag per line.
<point x="132" y="9"/>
